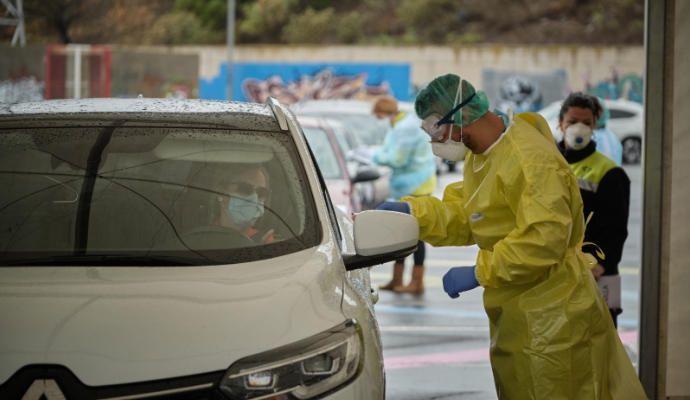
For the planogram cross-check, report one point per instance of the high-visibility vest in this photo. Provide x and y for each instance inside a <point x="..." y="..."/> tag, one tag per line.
<point x="591" y="170"/>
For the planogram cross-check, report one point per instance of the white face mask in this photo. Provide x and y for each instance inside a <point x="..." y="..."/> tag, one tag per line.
<point x="449" y="150"/>
<point x="578" y="136"/>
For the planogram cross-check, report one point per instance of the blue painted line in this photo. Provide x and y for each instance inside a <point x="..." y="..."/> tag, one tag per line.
<point x="628" y="323"/>
<point x="429" y="311"/>
<point x="630" y="295"/>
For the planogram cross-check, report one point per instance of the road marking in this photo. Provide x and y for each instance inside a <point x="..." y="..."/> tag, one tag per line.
<point x="630" y="323"/>
<point x="455" y="262"/>
<point x="434" y="329"/>
<point x="430" y="281"/>
<point x="465" y="357"/>
<point x="425" y="360"/>
<point x="389" y="309"/>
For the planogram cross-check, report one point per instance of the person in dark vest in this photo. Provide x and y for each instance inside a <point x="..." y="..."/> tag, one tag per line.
<point x="605" y="190"/>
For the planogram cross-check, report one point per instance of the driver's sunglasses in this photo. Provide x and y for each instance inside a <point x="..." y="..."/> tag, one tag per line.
<point x="448" y="118"/>
<point x="247" y="189"/>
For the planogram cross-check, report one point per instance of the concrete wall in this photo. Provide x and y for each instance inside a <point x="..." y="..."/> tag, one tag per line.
<point x="584" y="64"/>
<point x="162" y="71"/>
<point x="678" y="323"/>
<point x="154" y="72"/>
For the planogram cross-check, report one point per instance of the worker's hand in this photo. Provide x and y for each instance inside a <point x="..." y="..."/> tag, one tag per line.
<point x="458" y="280"/>
<point x="598" y="271"/>
<point x="398" y="206"/>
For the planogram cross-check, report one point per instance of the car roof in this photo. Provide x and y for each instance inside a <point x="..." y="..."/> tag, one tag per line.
<point x="238" y="115"/>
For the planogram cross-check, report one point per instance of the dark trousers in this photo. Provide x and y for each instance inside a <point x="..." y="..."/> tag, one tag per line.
<point x="419" y="255"/>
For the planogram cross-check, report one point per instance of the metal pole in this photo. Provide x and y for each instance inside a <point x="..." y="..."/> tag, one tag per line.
<point x="231" y="44"/>
<point x="77" y="72"/>
<point x="21" y="31"/>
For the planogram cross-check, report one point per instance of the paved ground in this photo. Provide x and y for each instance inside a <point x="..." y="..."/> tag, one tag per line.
<point x="437" y="348"/>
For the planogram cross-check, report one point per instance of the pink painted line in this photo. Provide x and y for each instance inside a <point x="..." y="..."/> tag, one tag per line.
<point x="469" y="356"/>
<point x="460" y="357"/>
<point x="628" y="337"/>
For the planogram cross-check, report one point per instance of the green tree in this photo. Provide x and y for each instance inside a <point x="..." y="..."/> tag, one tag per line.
<point x="431" y="20"/>
<point x="312" y="26"/>
<point x="179" y="27"/>
<point x="211" y="13"/>
<point x="264" y="20"/>
<point x="350" y="28"/>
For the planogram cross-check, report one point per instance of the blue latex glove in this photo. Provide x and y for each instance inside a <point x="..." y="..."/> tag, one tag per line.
<point x="398" y="206"/>
<point x="458" y="280"/>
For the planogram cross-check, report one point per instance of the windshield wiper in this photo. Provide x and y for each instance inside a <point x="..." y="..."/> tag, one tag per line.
<point x="97" y="260"/>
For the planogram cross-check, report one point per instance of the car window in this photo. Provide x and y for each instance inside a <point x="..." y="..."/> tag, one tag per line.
<point x="616" y="113"/>
<point x="325" y="155"/>
<point x="151" y="195"/>
<point x="341" y="135"/>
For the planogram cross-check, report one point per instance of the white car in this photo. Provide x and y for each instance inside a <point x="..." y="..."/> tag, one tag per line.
<point x="626" y="120"/>
<point x="356" y="115"/>
<point x="354" y="182"/>
<point x="120" y="278"/>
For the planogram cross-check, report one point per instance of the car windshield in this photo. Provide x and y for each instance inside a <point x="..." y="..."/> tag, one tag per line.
<point x="151" y="196"/>
<point x="324" y="153"/>
<point x="346" y="140"/>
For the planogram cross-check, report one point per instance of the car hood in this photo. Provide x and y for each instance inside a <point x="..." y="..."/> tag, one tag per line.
<point x="112" y="325"/>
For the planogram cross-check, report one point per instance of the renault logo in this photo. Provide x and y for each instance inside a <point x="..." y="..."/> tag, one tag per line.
<point x="44" y="388"/>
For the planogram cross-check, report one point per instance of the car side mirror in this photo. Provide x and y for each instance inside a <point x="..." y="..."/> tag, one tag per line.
<point x="366" y="174"/>
<point x="382" y="236"/>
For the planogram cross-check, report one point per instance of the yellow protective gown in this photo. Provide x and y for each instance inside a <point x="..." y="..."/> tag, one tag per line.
<point x="551" y="333"/>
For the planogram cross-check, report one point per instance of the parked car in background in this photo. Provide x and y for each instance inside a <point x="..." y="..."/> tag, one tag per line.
<point x="357" y="117"/>
<point x="367" y="190"/>
<point x="344" y="177"/>
<point x="125" y="271"/>
<point x="626" y="120"/>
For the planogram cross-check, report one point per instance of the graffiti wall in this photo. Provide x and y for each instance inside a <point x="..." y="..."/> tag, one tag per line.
<point x="290" y="83"/>
<point x="21" y="74"/>
<point x="627" y="86"/>
<point x="524" y="91"/>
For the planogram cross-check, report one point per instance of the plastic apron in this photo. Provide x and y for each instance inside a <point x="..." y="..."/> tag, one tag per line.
<point x="551" y="333"/>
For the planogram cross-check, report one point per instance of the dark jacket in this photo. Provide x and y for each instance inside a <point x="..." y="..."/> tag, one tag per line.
<point x="605" y="190"/>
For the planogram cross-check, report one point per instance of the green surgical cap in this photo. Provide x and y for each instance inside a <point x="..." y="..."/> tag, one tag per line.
<point x="439" y="97"/>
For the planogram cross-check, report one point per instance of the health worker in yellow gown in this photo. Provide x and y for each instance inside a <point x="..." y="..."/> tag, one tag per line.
<point x="551" y="333"/>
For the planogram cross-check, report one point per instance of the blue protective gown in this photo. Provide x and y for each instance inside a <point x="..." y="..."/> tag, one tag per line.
<point x="407" y="151"/>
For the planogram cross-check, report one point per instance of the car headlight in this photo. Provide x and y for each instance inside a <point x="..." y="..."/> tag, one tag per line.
<point x="303" y="370"/>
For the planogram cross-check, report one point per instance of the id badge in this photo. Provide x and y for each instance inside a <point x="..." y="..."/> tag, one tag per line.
<point x="610" y="288"/>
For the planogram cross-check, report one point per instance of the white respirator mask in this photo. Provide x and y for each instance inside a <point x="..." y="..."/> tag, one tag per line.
<point x="450" y="150"/>
<point x="577" y="136"/>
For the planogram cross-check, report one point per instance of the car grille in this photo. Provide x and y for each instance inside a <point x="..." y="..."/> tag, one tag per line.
<point x="52" y="382"/>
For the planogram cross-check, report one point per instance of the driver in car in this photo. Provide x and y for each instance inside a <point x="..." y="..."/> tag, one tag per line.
<point x="243" y="205"/>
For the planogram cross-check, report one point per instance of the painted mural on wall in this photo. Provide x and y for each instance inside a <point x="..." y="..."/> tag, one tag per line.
<point x="291" y="83"/>
<point x="523" y="91"/>
<point x="627" y="86"/>
<point x="21" y="90"/>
